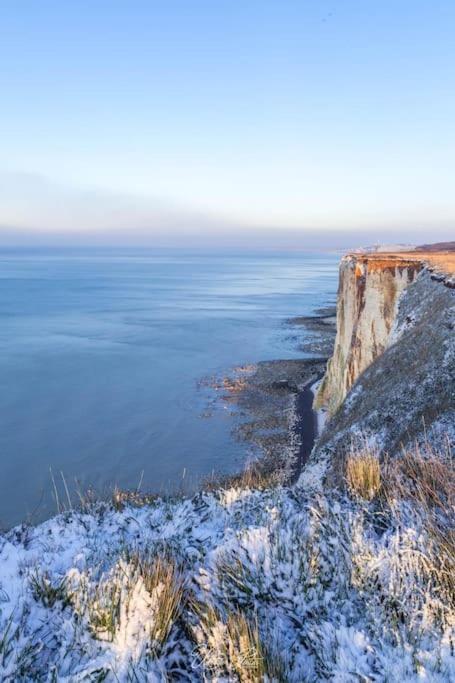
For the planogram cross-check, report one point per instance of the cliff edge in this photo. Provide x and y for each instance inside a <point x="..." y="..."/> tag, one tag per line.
<point x="368" y="294"/>
<point x="391" y="378"/>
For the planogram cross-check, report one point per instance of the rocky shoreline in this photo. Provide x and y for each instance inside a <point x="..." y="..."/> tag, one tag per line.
<point x="271" y="401"/>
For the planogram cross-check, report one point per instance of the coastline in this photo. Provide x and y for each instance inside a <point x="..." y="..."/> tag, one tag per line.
<point x="308" y="577"/>
<point x="272" y="401"/>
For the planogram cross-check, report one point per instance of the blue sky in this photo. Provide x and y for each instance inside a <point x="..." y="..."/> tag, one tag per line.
<point x="164" y="121"/>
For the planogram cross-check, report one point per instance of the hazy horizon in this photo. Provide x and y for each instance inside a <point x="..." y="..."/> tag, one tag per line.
<point x="276" y="241"/>
<point x="271" y="124"/>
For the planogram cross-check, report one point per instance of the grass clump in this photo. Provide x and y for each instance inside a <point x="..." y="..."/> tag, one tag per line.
<point x="425" y="478"/>
<point x="124" y="498"/>
<point x="150" y="589"/>
<point x="234" y="579"/>
<point x="233" y="645"/>
<point x="363" y="475"/>
<point x="415" y="577"/>
<point x="442" y="543"/>
<point x="257" y="475"/>
<point x="165" y="583"/>
<point x="244" y="648"/>
<point x="104" y="610"/>
<point x="48" y="592"/>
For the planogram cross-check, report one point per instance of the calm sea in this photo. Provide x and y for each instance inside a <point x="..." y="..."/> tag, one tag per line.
<point x="101" y="353"/>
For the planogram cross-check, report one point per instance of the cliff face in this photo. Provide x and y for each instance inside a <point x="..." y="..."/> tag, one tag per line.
<point x="368" y="295"/>
<point x="391" y="379"/>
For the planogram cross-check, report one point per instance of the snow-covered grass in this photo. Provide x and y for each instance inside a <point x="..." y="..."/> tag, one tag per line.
<point x="236" y="584"/>
<point x="259" y="474"/>
<point x="422" y="475"/>
<point x="363" y="474"/>
<point x="234" y="643"/>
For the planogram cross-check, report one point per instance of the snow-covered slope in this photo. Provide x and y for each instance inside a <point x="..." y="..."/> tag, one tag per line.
<point x="328" y="596"/>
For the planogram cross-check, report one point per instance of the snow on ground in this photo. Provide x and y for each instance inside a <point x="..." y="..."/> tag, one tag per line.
<point x="334" y="592"/>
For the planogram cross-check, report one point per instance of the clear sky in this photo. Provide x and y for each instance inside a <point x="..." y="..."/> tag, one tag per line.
<point x="194" y="121"/>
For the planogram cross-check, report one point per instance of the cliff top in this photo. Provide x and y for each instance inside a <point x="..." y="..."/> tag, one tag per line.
<point x="439" y="256"/>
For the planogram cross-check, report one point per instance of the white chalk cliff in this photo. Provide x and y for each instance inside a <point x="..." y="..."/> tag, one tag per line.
<point x="391" y="378"/>
<point x="368" y="295"/>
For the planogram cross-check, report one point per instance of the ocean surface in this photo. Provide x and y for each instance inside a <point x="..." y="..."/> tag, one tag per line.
<point x="102" y="353"/>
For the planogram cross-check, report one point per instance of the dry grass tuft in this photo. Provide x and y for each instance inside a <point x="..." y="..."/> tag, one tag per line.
<point x="244" y="648"/>
<point x="426" y="479"/>
<point x="363" y="475"/>
<point x="442" y="542"/>
<point x="164" y="581"/>
<point x="236" y="646"/>
<point x="124" y="498"/>
<point x="112" y="602"/>
<point x="259" y="475"/>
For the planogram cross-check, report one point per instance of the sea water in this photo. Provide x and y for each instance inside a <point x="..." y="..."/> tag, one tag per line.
<point x="102" y="353"/>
